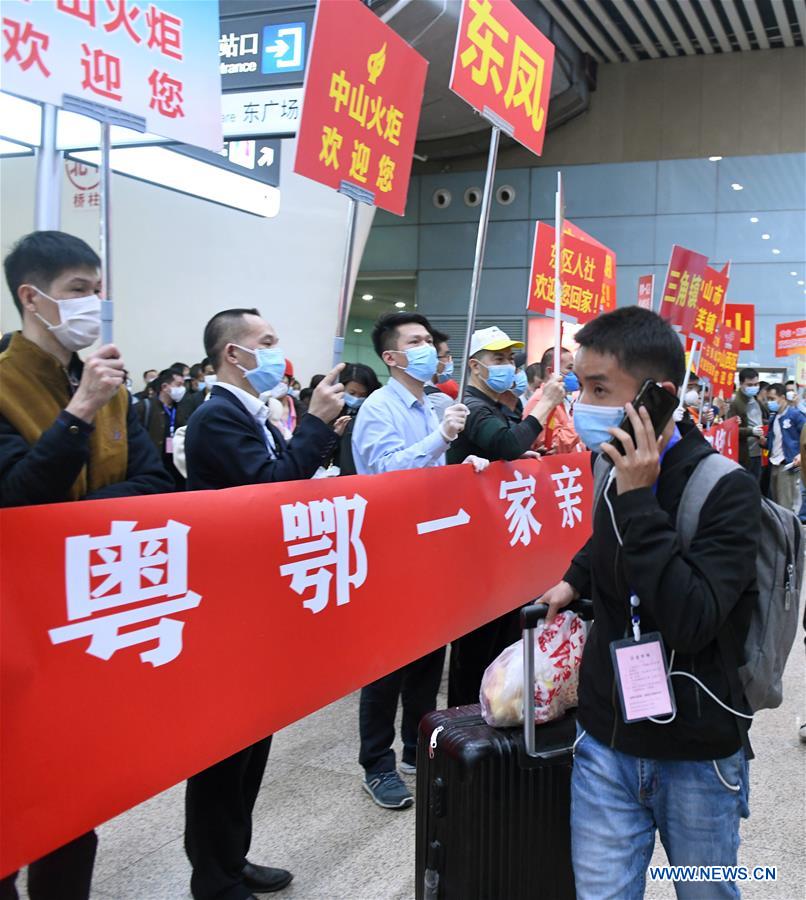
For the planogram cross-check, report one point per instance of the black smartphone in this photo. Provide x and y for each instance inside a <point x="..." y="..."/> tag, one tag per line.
<point x="660" y="403"/>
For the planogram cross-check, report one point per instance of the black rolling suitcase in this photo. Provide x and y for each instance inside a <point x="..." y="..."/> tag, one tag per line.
<point x="494" y="804"/>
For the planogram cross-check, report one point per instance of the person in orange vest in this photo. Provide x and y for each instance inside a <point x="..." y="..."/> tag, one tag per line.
<point x="558" y="436"/>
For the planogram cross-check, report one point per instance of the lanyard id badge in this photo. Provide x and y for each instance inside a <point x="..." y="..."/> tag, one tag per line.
<point x="641" y="673"/>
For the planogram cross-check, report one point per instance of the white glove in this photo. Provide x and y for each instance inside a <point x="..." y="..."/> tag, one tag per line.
<point x="453" y="422"/>
<point x="758" y="431"/>
<point x="678" y="414"/>
<point x="479" y="464"/>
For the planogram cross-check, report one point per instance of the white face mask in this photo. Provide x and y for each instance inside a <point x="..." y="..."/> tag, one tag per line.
<point x="692" y="398"/>
<point x="210" y="380"/>
<point x="79" y="321"/>
<point x="791" y="395"/>
<point x="177" y="393"/>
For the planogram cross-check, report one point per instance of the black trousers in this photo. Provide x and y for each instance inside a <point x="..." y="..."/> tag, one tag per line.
<point x="474" y="651"/>
<point x="416" y="685"/>
<point x="218" y="822"/>
<point x="64" y="874"/>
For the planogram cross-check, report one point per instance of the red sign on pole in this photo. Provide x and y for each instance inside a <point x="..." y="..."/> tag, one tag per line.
<point x="502" y="67"/>
<point x="720" y="359"/>
<point x="607" y="300"/>
<point x="790" y="338"/>
<point x="363" y="90"/>
<point x="742" y="317"/>
<point x="710" y="304"/>
<point x="132" y="606"/>
<point x="583" y="272"/>
<point x="724" y="438"/>
<point x="646" y="291"/>
<point x="681" y="290"/>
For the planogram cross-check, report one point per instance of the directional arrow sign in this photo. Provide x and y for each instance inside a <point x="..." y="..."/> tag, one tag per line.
<point x="266" y="156"/>
<point x="279" y="48"/>
<point x="461" y="518"/>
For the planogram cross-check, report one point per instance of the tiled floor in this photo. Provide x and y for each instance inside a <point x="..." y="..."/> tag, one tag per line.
<point x="313" y="818"/>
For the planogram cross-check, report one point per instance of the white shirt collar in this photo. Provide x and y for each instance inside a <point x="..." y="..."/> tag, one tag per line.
<point x="254" y="405"/>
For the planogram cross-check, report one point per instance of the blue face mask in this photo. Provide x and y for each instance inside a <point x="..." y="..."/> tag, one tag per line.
<point x="571" y="382"/>
<point x="445" y="374"/>
<point x="500" y="378"/>
<point x="269" y="370"/>
<point x="352" y="402"/>
<point x="422" y="362"/>
<point x="521" y="383"/>
<point x="773" y="405"/>
<point x="591" y="423"/>
<point x="751" y="391"/>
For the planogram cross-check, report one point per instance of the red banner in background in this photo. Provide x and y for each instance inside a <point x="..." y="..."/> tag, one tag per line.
<point x="725" y="438"/>
<point x="646" y="291"/>
<point x="129" y="626"/>
<point x="502" y="67"/>
<point x="607" y="300"/>
<point x="790" y="338"/>
<point x="710" y="304"/>
<point x="583" y="272"/>
<point x="742" y="317"/>
<point x="681" y="290"/>
<point x="363" y="90"/>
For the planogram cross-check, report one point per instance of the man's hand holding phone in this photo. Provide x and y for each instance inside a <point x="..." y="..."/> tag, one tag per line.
<point x="639" y="466"/>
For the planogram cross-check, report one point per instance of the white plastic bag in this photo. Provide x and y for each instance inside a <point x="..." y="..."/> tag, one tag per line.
<point x="558" y="654"/>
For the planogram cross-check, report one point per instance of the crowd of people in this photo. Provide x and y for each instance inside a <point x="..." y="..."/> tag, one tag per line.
<point x="76" y="430"/>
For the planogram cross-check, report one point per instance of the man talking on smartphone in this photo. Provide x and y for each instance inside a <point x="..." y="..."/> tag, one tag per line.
<point x="654" y="751"/>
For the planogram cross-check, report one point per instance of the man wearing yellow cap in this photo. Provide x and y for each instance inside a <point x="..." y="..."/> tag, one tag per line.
<point x="491" y="432"/>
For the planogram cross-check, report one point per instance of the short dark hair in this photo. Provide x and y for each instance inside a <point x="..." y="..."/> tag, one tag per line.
<point x="747" y="375"/>
<point x="533" y="371"/>
<point x="779" y="389"/>
<point x="147" y="371"/>
<point x="547" y="359"/>
<point x="384" y="333"/>
<point x="645" y="345"/>
<point x="362" y="374"/>
<point x="790" y="381"/>
<point x="221" y="329"/>
<point x="166" y="376"/>
<point x="315" y="381"/>
<point x="205" y="362"/>
<point x="42" y="256"/>
<point x="763" y="384"/>
<point x="439" y="336"/>
<point x="197" y="371"/>
<point x="179" y="365"/>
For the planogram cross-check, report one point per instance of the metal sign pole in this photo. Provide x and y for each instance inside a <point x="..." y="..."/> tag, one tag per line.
<point x="48" y="181"/>
<point x="105" y="177"/>
<point x="344" y="289"/>
<point x="481" y="242"/>
<point x="558" y="285"/>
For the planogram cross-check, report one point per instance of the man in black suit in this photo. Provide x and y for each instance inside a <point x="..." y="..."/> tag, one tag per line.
<point x="230" y="443"/>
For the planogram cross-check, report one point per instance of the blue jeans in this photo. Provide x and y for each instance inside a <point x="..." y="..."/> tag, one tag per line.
<point x="617" y="802"/>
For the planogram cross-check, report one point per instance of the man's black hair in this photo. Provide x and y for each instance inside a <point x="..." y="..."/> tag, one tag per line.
<point x="316" y="380"/>
<point x="224" y="329"/>
<point x="179" y="365"/>
<point x="547" y="359"/>
<point x="747" y="375"/>
<point x="41" y="256"/>
<point x="779" y="389"/>
<point x="439" y="337"/>
<point x="147" y="371"/>
<point x="166" y="376"/>
<point x="763" y="384"/>
<point x="362" y="374"/>
<point x="384" y="333"/>
<point x="645" y="345"/>
<point x="197" y="371"/>
<point x="790" y="381"/>
<point x="205" y="362"/>
<point x="533" y="371"/>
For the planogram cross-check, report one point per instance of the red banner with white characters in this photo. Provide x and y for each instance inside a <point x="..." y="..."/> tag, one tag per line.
<point x="790" y="338"/>
<point x="363" y="90"/>
<point x="502" y="67"/>
<point x="583" y="274"/>
<point x="130" y="625"/>
<point x="607" y="300"/>
<point x="719" y="360"/>
<point x="646" y="291"/>
<point x="725" y="438"/>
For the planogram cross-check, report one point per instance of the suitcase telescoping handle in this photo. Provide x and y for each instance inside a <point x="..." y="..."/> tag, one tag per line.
<point x="530" y="616"/>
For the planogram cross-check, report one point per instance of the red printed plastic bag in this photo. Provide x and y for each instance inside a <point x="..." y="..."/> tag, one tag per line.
<point x="558" y="655"/>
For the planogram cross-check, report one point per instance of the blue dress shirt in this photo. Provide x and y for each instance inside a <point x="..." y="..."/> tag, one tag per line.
<point x="394" y="430"/>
